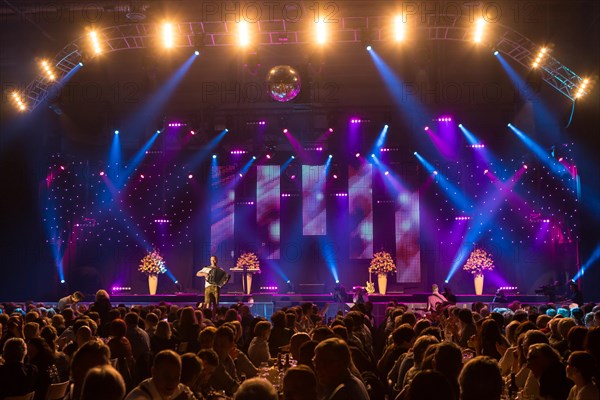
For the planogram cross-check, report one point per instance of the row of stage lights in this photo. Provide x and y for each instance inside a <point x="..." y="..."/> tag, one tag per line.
<point x="244" y="39"/>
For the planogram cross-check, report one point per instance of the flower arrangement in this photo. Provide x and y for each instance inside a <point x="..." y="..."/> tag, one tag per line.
<point x="382" y="263"/>
<point x="152" y="264"/>
<point x="479" y="260"/>
<point x="248" y="260"/>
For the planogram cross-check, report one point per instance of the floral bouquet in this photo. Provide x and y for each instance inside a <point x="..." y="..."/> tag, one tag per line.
<point x="248" y="260"/>
<point x="152" y="264"/>
<point x="382" y="263"/>
<point x="479" y="261"/>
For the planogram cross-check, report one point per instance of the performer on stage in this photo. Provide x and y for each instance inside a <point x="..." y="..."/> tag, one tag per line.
<point x="215" y="279"/>
<point x="435" y="298"/>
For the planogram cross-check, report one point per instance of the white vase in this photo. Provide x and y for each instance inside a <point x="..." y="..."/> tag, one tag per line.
<point x="478" y="281"/>
<point x="248" y="282"/>
<point x="152" y="283"/>
<point x="382" y="283"/>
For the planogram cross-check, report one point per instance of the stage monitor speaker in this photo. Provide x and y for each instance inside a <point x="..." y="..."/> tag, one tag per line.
<point x="311" y="288"/>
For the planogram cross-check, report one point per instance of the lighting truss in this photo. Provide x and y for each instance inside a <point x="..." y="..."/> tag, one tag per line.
<point x="281" y="32"/>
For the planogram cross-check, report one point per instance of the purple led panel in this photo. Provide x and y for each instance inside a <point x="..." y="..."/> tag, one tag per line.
<point x="408" y="251"/>
<point x="222" y="212"/>
<point x="314" y="216"/>
<point x="268" y="214"/>
<point x="360" y="207"/>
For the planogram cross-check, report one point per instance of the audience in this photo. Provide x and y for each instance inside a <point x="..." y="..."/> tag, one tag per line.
<point x="547" y="351"/>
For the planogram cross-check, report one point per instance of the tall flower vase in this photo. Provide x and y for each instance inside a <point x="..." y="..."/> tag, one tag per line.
<point x="382" y="283"/>
<point x="478" y="280"/>
<point x="152" y="283"/>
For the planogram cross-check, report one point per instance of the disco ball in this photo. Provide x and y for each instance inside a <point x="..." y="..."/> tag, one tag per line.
<point x="283" y="83"/>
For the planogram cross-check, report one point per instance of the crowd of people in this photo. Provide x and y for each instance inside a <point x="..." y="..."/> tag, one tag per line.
<point x="165" y="351"/>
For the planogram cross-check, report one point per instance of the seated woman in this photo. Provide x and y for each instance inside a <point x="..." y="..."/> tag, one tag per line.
<point x="258" y="352"/>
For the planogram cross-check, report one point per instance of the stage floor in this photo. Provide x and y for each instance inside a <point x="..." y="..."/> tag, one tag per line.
<point x="264" y="304"/>
<point x="298" y="298"/>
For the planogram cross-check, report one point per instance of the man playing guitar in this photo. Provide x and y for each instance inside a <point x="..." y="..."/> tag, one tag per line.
<point x="216" y="278"/>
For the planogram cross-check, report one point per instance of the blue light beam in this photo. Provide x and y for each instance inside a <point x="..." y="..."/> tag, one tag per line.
<point x="591" y="261"/>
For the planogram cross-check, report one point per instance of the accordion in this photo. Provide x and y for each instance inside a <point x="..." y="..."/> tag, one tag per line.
<point x="218" y="276"/>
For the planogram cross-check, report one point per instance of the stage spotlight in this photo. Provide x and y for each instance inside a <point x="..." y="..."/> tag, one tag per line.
<point x="268" y="156"/>
<point x="62" y="167"/>
<point x="509" y="125"/>
<point x="435" y="172"/>
<point x="47" y="70"/>
<point x="243" y="34"/>
<point x="496" y="52"/>
<point x="192" y="132"/>
<point x="399" y="28"/>
<point x="285" y="130"/>
<point x="460" y="125"/>
<point x="116" y="132"/>
<point x="190" y="176"/>
<point x="167" y="35"/>
<point x="62" y="281"/>
<point x="293" y="157"/>
<point x="372" y="155"/>
<point x="95" y="42"/>
<point x="426" y="128"/>
<point x="19" y="101"/>
<point x="415" y="153"/>
<point x="581" y="90"/>
<point x="479" y="30"/>
<point x="197" y="53"/>
<point x="386" y="173"/>
<point x="330" y="156"/>
<point x="330" y="130"/>
<point x="142" y="176"/>
<point x="369" y="48"/>
<point x="214" y="156"/>
<point x="254" y="157"/>
<point x="335" y="176"/>
<point x="80" y="64"/>
<point x="101" y="173"/>
<point x="446" y="281"/>
<point x="321" y="32"/>
<point x="525" y="166"/>
<point x="357" y="155"/>
<point x="542" y="53"/>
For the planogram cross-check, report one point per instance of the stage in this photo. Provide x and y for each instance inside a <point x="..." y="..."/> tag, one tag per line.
<point x="264" y="304"/>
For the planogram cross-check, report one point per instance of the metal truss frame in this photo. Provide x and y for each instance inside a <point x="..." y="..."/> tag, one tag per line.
<point x="281" y="32"/>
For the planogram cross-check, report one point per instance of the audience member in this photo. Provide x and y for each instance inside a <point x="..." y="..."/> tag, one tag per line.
<point x="581" y="368"/>
<point x="480" y="379"/>
<point x="16" y="377"/>
<point x="300" y="383"/>
<point x="256" y="389"/>
<point x="331" y="362"/>
<point x="258" y="351"/>
<point x="164" y="382"/>
<point x="103" y="383"/>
